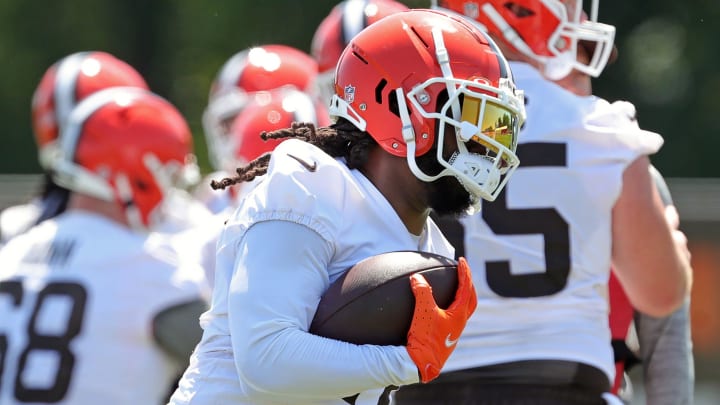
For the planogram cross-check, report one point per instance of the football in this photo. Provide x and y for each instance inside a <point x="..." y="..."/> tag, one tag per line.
<point x="372" y="303"/>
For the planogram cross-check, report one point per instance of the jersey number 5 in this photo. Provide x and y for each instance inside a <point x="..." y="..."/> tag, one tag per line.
<point x="42" y="342"/>
<point x="546" y="221"/>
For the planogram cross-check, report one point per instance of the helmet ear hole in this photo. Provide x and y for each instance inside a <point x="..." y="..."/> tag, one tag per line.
<point x="442" y="98"/>
<point x="142" y="186"/>
<point x="519" y="10"/>
<point x="393" y="105"/>
<point x="378" y="91"/>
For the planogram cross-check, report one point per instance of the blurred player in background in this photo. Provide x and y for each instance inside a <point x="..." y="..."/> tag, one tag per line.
<point x="582" y="199"/>
<point x="96" y="310"/>
<point x="270" y="82"/>
<point x="264" y="111"/>
<point x="662" y="345"/>
<point x="62" y="86"/>
<point x="332" y="196"/>
<point x="241" y="81"/>
<point x="336" y="30"/>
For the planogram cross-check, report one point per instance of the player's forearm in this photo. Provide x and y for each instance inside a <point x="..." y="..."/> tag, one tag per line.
<point x="646" y="256"/>
<point x="294" y="365"/>
<point x="666" y="349"/>
<point x="272" y="300"/>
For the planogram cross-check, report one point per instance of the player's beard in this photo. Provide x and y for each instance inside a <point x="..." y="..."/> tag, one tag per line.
<point x="446" y="195"/>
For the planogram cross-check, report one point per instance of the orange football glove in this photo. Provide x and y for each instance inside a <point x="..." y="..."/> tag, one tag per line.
<point x="434" y="332"/>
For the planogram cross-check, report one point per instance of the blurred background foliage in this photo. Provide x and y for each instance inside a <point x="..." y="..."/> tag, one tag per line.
<point x="668" y="63"/>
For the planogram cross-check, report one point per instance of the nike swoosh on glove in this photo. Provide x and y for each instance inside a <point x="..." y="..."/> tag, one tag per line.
<point x="434" y="331"/>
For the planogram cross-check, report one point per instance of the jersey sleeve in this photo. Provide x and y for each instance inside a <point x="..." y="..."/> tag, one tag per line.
<point x="303" y="185"/>
<point x="614" y="126"/>
<point x="278" y="280"/>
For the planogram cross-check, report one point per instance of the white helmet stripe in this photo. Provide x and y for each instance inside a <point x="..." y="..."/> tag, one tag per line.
<point x="65" y="82"/>
<point x="353" y="19"/>
<point x="231" y="72"/>
<point x="303" y="107"/>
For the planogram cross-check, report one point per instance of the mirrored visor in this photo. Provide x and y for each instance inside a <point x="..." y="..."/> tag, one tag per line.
<point x="494" y="121"/>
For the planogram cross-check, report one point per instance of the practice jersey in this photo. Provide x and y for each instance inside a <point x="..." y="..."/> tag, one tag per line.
<point x="308" y="194"/>
<point x="222" y="202"/>
<point x="181" y="211"/>
<point x="197" y="245"/>
<point x="19" y="218"/>
<point x="78" y="295"/>
<point x="540" y="253"/>
<point x="216" y="201"/>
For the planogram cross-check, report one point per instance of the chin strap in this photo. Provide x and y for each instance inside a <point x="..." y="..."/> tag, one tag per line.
<point x="78" y="179"/>
<point x="132" y="213"/>
<point x="408" y="134"/>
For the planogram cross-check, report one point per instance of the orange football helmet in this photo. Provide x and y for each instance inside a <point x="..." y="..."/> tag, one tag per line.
<point x="547" y="31"/>
<point x="259" y="68"/>
<point x="66" y="83"/>
<point x="125" y="145"/>
<point x="411" y="76"/>
<point x="270" y="111"/>
<point x="345" y="20"/>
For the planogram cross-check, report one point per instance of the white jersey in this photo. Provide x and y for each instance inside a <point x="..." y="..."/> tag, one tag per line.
<point x="182" y="211"/>
<point x="197" y="245"/>
<point x="222" y="202"/>
<point x="18" y="219"/>
<point x="216" y="201"/>
<point x="312" y="218"/>
<point x="540" y="253"/>
<point x="78" y="295"/>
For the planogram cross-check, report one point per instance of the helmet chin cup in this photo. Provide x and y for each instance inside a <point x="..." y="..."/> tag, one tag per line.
<point x="480" y="174"/>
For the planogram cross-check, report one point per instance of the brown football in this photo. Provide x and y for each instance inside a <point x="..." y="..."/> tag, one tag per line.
<point x="372" y="303"/>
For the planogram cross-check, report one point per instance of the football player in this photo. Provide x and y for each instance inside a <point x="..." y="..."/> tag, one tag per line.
<point x="332" y="196"/>
<point x="96" y="310"/>
<point x="62" y="86"/>
<point x="582" y="199"/>
<point x="336" y="30"/>
<point x="264" y="111"/>
<point x="251" y="72"/>
<point x="662" y="345"/>
<point x="261" y="111"/>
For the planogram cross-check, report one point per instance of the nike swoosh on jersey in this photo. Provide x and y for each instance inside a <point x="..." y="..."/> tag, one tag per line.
<point x="450" y="342"/>
<point x="305" y="164"/>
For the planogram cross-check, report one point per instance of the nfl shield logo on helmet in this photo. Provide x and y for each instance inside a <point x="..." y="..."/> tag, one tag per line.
<point x="349" y="93"/>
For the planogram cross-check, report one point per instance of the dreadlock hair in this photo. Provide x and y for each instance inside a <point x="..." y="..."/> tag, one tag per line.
<point x="341" y="139"/>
